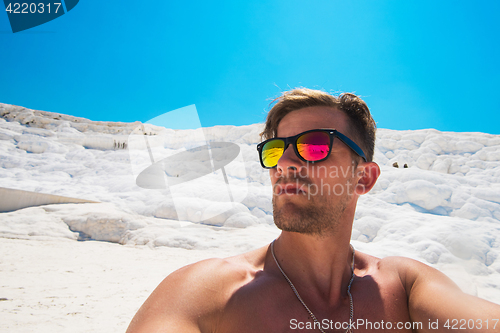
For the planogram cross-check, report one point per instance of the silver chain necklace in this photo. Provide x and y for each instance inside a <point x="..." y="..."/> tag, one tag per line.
<point x="351" y="310"/>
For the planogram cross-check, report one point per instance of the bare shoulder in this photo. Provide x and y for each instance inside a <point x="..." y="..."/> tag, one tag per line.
<point x="389" y="272"/>
<point x="409" y="271"/>
<point x="406" y="272"/>
<point x="368" y="264"/>
<point x="191" y="298"/>
<point x="413" y="272"/>
<point x="431" y="295"/>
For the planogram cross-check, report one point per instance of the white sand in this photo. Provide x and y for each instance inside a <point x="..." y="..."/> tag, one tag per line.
<point x="69" y="286"/>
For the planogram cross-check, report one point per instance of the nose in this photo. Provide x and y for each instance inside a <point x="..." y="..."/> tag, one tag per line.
<point x="288" y="161"/>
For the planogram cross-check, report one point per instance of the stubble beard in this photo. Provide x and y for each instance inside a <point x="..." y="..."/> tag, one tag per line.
<point x="318" y="217"/>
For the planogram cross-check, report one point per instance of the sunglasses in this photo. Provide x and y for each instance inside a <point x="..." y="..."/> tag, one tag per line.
<point x="310" y="146"/>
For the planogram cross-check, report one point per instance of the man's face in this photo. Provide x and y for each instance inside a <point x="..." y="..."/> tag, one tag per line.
<point x="311" y="198"/>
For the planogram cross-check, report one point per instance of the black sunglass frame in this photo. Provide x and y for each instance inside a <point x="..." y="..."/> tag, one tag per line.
<point x="293" y="141"/>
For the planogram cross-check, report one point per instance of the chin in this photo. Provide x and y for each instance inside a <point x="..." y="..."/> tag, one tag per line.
<point x="301" y="220"/>
<point x="307" y="219"/>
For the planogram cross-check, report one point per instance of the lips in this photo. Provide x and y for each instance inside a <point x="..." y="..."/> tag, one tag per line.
<point x="290" y="189"/>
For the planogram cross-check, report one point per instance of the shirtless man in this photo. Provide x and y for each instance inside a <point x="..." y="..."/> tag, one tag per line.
<point x="317" y="177"/>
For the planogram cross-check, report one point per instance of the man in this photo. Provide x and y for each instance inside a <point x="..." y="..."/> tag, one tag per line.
<point x="319" y="152"/>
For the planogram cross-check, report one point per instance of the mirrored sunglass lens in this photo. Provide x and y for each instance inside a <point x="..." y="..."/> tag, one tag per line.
<point x="314" y="146"/>
<point x="271" y="153"/>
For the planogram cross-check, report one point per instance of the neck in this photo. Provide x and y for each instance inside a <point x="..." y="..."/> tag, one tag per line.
<point x="318" y="265"/>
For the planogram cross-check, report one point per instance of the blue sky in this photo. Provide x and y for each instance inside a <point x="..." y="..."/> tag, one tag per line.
<point x="418" y="64"/>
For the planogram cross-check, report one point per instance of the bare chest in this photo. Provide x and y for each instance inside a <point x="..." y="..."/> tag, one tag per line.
<point x="267" y="306"/>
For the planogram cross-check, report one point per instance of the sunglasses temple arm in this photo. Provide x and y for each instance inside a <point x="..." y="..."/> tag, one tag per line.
<point x="351" y="144"/>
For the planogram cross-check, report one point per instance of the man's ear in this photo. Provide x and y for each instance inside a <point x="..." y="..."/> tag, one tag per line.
<point x="369" y="175"/>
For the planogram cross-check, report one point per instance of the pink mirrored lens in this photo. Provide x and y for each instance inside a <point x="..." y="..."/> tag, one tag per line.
<point x="314" y="146"/>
